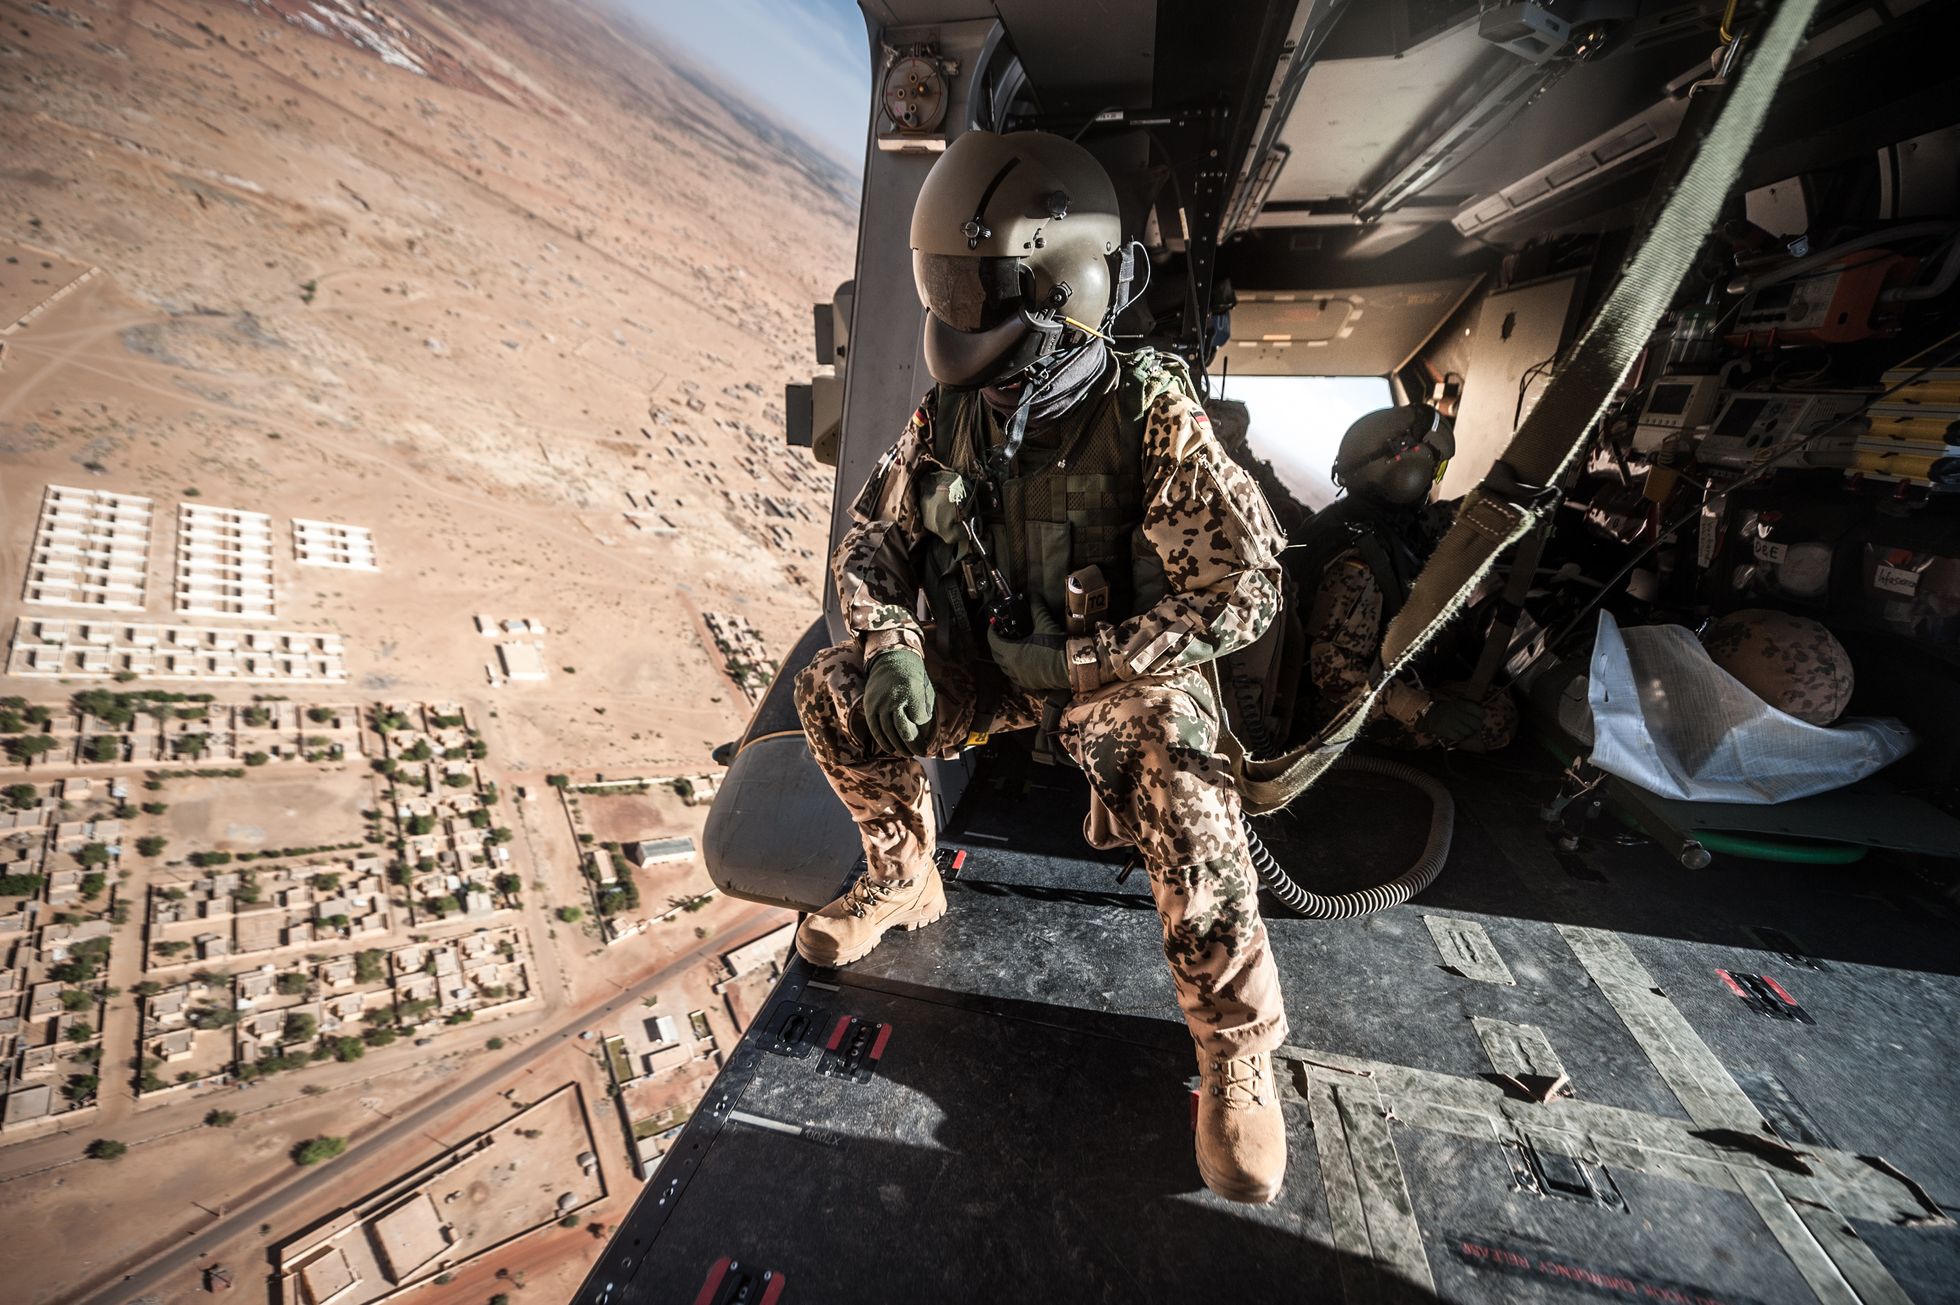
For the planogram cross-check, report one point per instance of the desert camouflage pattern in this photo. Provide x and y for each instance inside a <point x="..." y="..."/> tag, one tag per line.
<point x="1344" y="640"/>
<point x="887" y="795"/>
<point x="1149" y="749"/>
<point x="1141" y="722"/>
<point x="1205" y="524"/>
<point x="1792" y="663"/>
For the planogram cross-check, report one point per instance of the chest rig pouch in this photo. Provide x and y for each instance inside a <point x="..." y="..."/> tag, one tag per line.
<point x="1073" y="498"/>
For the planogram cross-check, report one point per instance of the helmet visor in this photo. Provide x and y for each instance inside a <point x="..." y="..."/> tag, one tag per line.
<point x="968" y="293"/>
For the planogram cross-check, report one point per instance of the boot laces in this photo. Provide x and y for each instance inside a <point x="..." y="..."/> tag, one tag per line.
<point x="866" y="894"/>
<point x="1238" y="1082"/>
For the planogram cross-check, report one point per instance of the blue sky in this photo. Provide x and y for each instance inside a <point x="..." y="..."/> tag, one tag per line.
<point x="805" y="62"/>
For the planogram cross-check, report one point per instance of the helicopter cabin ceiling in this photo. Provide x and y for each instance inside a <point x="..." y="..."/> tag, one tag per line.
<point x="1359" y="331"/>
<point x="1353" y="112"/>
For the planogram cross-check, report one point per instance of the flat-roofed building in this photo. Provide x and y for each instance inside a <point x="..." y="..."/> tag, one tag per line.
<point x="330" y="543"/>
<point x="224" y="562"/>
<point x="650" y="852"/>
<point x="327" y="1277"/>
<point x="91" y="549"/>
<point x="521" y="661"/>
<point x="409" y="1236"/>
<point x="34" y="1101"/>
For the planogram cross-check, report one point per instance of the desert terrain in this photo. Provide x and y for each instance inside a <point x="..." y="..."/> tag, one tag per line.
<point x="515" y="290"/>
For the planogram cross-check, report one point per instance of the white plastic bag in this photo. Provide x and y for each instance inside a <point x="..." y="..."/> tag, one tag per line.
<point x="1667" y="718"/>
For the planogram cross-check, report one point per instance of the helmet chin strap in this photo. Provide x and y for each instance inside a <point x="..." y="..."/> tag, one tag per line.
<point x="1050" y="360"/>
<point x="1053" y="358"/>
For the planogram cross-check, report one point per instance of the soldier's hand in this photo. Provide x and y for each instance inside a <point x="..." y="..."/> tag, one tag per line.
<point x="1451" y="720"/>
<point x="1038" y="663"/>
<point x="898" y="701"/>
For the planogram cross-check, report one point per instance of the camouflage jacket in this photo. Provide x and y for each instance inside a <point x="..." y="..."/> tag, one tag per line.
<point x="1204" y="520"/>
<point x="1345" y="621"/>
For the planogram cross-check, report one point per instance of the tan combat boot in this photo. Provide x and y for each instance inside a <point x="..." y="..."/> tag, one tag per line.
<point x="1241" y="1134"/>
<point x="851" y="926"/>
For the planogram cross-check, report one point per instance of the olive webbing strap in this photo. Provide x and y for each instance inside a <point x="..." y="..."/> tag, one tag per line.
<point x="1518" y="493"/>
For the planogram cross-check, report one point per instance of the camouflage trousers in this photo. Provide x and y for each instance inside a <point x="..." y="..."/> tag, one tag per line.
<point x="1158" y="783"/>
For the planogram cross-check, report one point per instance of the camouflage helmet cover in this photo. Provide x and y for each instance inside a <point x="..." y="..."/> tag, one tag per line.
<point x="1791" y="662"/>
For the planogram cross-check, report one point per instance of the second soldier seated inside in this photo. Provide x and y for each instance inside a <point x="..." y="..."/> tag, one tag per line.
<point x="1353" y="566"/>
<point x="1040" y="454"/>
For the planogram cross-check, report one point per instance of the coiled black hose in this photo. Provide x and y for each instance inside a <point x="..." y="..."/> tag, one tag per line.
<point x="1301" y="900"/>
<point x="1305" y="902"/>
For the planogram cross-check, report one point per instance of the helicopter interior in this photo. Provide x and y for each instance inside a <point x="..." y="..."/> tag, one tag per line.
<point x="1631" y="1043"/>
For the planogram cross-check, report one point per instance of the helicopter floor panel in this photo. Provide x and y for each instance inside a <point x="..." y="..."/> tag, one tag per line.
<point x="1555" y="1076"/>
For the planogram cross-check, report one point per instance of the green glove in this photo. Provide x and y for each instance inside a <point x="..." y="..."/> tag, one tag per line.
<point x="1450" y="721"/>
<point x="1038" y="663"/>
<point x="898" y="701"/>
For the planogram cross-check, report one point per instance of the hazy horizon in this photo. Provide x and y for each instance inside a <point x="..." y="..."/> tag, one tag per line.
<point x="805" y="63"/>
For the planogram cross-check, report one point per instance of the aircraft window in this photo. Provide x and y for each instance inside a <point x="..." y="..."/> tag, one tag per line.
<point x="1298" y="421"/>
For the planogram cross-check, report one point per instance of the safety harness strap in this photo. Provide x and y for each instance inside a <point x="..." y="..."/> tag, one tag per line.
<point x="1520" y="490"/>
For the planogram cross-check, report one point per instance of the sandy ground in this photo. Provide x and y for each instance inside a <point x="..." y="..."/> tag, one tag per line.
<point x="525" y="309"/>
<point x="487" y="317"/>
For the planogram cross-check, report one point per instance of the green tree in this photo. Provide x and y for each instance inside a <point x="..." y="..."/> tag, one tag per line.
<point x="256" y="758"/>
<point x="76" y="999"/>
<point x="80" y="1031"/>
<point x="315" y="1150"/>
<point x="27" y="747"/>
<point x="190" y="745"/>
<point x="93" y="854"/>
<point x="345" y="1049"/>
<point x="21" y="797"/>
<point x="103" y="748"/>
<point x="151" y="845"/>
<point x="220" y="1118"/>
<point x="106" y="1148"/>
<point x="214" y="1015"/>
<point x="300" y="1027"/>
<point x="570" y="914"/>
<point x="292" y="983"/>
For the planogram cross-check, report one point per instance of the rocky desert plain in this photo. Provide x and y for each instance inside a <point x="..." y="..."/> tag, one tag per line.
<point x="515" y="289"/>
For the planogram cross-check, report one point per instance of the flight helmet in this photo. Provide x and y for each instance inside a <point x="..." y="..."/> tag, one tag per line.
<point x="1394" y="455"/>
<point x="1011" y="241"/>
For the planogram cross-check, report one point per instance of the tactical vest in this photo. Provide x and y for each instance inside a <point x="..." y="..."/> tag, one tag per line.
<point x="1075" y="496"/>
<point x="1353" y="524"/>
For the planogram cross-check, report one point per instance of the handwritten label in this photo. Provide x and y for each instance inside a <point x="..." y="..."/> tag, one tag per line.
<point x="1895" y="580"/>
<point x="1768" y="550"/>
